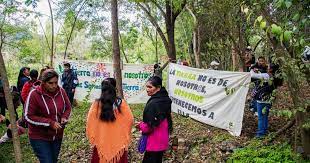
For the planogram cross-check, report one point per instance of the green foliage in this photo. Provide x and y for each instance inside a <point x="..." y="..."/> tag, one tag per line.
<point x="306" y="125"/>
<point x="283" y="113"/>
<point x="277" y="30"/>
<point x="255" y="152"/>
<point x="222" y="137"/>
<point x="7" y="151"/>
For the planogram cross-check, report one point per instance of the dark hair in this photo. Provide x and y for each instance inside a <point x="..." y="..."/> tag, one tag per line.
<point x="67" y="65"/>
<point x="34" y="74"/>
<point x="156" y="66"/>
<point x="21" y="75"/>
<point x="112" y="81"/>
<point x="156" y="81"/>
<point x="107" y="99"/>
<point x="261" y="57"/>
<point x="48" y="75"/>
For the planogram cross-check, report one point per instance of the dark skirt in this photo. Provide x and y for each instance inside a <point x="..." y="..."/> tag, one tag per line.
<point x="153" y="157"/>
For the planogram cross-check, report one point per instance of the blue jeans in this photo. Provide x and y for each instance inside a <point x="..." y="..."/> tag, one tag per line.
<point x="253" y="104"/>
<point x="263" y="112"/>
<point x="46" y="151"/>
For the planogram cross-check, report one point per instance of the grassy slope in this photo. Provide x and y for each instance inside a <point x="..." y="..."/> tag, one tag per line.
<point x="203" y="142"/>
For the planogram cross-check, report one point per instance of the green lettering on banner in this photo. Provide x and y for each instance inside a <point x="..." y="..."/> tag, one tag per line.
<point x="139" y="75"/>
<point x="189" y="96"/>
<point x="185" y="75"/>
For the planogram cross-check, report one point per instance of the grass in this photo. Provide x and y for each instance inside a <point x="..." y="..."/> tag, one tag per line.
<point x="76" y="148"/>
<point x="7" y="151"/>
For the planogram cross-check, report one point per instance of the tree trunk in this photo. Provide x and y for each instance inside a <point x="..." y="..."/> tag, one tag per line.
<point x="156" y="47"/>
<point x="305" y="138"/>
<point x="197" y="46"/>
<point x="171" y="43"/>
<point x="9" y="102"/>
<point x="191" y="53"/>
<point x="170" y="24"/>
<point x="52" y="22"/>
<point x="116" y="48"/>
<point x="234" y="56"/>
<point x="122" y="48"/>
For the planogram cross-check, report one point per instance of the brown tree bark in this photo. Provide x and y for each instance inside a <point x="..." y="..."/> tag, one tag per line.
<point x="53" y="42"/>
<point x="116" y="48"/>
<point x="170" y="16"/>
<point x="197" y="46"/>
<point x="9" y="101"/>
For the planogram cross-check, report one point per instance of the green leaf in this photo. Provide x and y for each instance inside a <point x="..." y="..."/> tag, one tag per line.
<point x="277" y="30"/>
<point x="263" y="25"/>
<point x="296" y="17"/>
<point x="288" y="4"/>
<point x="287" y="35"/>
<point x="259" y="19"/>
<point x="279" y="3"/>
<point x="264" y="110"/>
<point x="302" y="42"/>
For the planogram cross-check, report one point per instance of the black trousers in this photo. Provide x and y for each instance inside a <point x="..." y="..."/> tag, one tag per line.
<point x="70" y="95"/>
<point x="2" y="105"/>
<point x="153" y="157"/>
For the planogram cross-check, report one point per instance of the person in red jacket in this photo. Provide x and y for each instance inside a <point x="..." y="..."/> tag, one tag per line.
<point x="30" y="84"/>
<point x="47" y="111"/>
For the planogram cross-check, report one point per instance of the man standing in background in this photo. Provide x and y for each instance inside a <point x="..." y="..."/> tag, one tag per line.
<point x="69" y="81"/>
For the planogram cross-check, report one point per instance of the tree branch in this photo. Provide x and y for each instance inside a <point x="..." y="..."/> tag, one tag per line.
<point x="192" y="13"/>
<point x="280" y="131"/>
<point x="160" y="9"/>
<point x="257" y="44"/>
<point x="178" y="11"/>
<point x="48" y="44"/>
<point x="72" y="28"/>
<point x="155" y="24"/>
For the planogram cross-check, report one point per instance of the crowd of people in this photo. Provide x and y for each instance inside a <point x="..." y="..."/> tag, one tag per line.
<point x="47" y="108"/>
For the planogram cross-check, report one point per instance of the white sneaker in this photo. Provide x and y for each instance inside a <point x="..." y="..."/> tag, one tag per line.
<point x="4" y="138"/>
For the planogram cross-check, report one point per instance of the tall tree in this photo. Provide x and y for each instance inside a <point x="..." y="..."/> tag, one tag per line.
<point x="116" y="48"/>
<point x="195" y="9"/>
<point x="170" y="14"/>
<point x="285" y="28"/>
<point x="53" y="42"/>
<point x="7" y="11"/>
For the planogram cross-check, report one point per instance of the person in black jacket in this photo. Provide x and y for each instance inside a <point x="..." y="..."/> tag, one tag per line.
<point x="260" y="66"/>
<point x="157" y="121"/>
<point x="23" y="77"/>
<point x="263" y="96"/>
<point x="69" y="81"/>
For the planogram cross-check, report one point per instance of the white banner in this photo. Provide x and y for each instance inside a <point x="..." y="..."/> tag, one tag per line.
<point x="213" y="97"/>
<point x="91" y="74"/>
